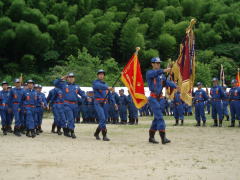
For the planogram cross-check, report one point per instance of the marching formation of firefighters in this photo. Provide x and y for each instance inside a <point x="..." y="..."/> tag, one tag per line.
<point x="103" y="105"/>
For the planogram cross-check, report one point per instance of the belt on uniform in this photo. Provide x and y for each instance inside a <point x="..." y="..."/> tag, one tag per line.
<point x="101" y="99"/>
<point x="58" y="103"/>
<point x="216" y="99"/>
<point x="32" y="106"/>
<point x="16" y="103"/>
<point x="177" y="103"/>
<point x="70" y="102"/>
<point x="198" y="101"/>
<point x="235" y="100"/>
<point x="3" y="104"/>
<point x="156" y="96"/>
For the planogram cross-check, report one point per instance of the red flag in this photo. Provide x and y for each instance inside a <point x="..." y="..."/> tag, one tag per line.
<point x="132" y="79"/>
<point x="184" y="68"/>
<point x="238" y="78"/>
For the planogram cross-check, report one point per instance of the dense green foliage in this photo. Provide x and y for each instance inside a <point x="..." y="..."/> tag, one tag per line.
<point x="46" y="38"/>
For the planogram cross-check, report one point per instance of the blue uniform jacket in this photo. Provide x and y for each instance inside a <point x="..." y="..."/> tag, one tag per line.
<point x="177" y="98"/>
<point x="200" y="96"/>
<point x="157" y="80"/>
<point x="234" y="94"/>
<point x="70" y="91"/>
<point x="123" y="100"/>
<point x="217" y="93"/>
<point x="100" y="89"/>
<point x="30" y="98"/>
<point x="4" y="96"/>
<point x="15" y="96"/>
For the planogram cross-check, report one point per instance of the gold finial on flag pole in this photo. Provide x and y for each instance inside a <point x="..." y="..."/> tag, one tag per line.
<point x="137" y="49"/>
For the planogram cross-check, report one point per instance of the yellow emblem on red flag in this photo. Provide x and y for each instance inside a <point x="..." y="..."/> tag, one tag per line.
<point x="132" y="79"/>
<point x="238" y="78"/>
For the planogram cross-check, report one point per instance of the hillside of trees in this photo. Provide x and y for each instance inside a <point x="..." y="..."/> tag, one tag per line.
<point x="44" y="39"/>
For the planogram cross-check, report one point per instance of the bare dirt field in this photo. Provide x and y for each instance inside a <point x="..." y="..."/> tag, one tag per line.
<point x="195" y="153"/>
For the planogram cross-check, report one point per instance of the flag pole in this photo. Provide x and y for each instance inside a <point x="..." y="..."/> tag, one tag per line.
<point x="136" y="53"/>
<point x="117" y="79"/>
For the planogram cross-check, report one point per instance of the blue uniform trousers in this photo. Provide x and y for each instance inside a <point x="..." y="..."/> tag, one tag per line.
<point x="59" y="115"/>
<point x="178" y="111"/>
<point x="123" y="112"/>
<point x="4" y="116"/>
<point x="217" y="110"/>
<point x="158" y="123"/>
<point x="38" y="116"/>
<point x="225" y="108"/>
<point x="199" y="112"/>
<point x="17" y="115"/>
<point x="30" y="117"/>
<point x="102" y="114"/>
<point x="70" y="111"/>
<point x="235" y="110"/>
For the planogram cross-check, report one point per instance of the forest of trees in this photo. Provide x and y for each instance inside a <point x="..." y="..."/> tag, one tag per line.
<point x="44" y="39"/>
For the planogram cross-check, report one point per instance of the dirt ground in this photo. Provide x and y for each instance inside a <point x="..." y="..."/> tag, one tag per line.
<point x="195" y="153"/>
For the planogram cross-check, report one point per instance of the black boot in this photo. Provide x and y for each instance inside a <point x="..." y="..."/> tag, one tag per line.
<point x="220" y="122"/>
<point x="37" y="131"/>
<point x="33" y="133"/>
<point x="17" y="131"/>
<point x="53" y="128"/>
<point x="78" y="120"/>
<point x="23" y="130"/>
<point x="73" y="134"/>
<point x="163" y="137"/>
<point x="40" y="129"/>
<point x="59" y="130"/>
<point x="204" y="123"/>
<point x="28" y="133"/>
<point x="198" y="123"/>
<point x="182" y="122"/>
<point x="9" y="129"/>
<point x="96" y="134"/>
<point x="238" y="123"/>
<point x="215" y="123"/>
<point x="4" y="131"/>
<point x="137" y="121"/>
<point x="151" y="137"/>
<point x="66" y="132"/>
<point x="176" y="122"/>
<point x="232" y="124"/>
<point x="227" y="117"/>
<point x="104" y="133"/>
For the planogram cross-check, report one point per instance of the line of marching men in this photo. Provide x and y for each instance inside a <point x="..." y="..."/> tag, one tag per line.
<point x="26" y="105"/>
<point x="219" y="99"/>
<point x="126" y="113"/>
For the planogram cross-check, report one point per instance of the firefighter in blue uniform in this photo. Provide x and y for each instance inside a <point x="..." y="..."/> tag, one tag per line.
<point x="122" y="105"/>
<point x="40" y="109"/>
<point x="200" y="96"/>
<point x="225" y="103"/>
<point x="4" y="98"/>
<point x="90" y="107"/>
<point x="178" y="107"/>
<point x="14" y="106"/>
<point x="102" y="96"/>
<point x="50" y="107"/>
<point x="157" y="81"/>
<point x="113" y="111"/>
<point x="132" y="110"/>
<point x="70" y="95"/>
<point x="57" y="102"/>
<point x="234" y="98"/>
<point x="217" y="95"/>
<point x="28" y="104"/>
